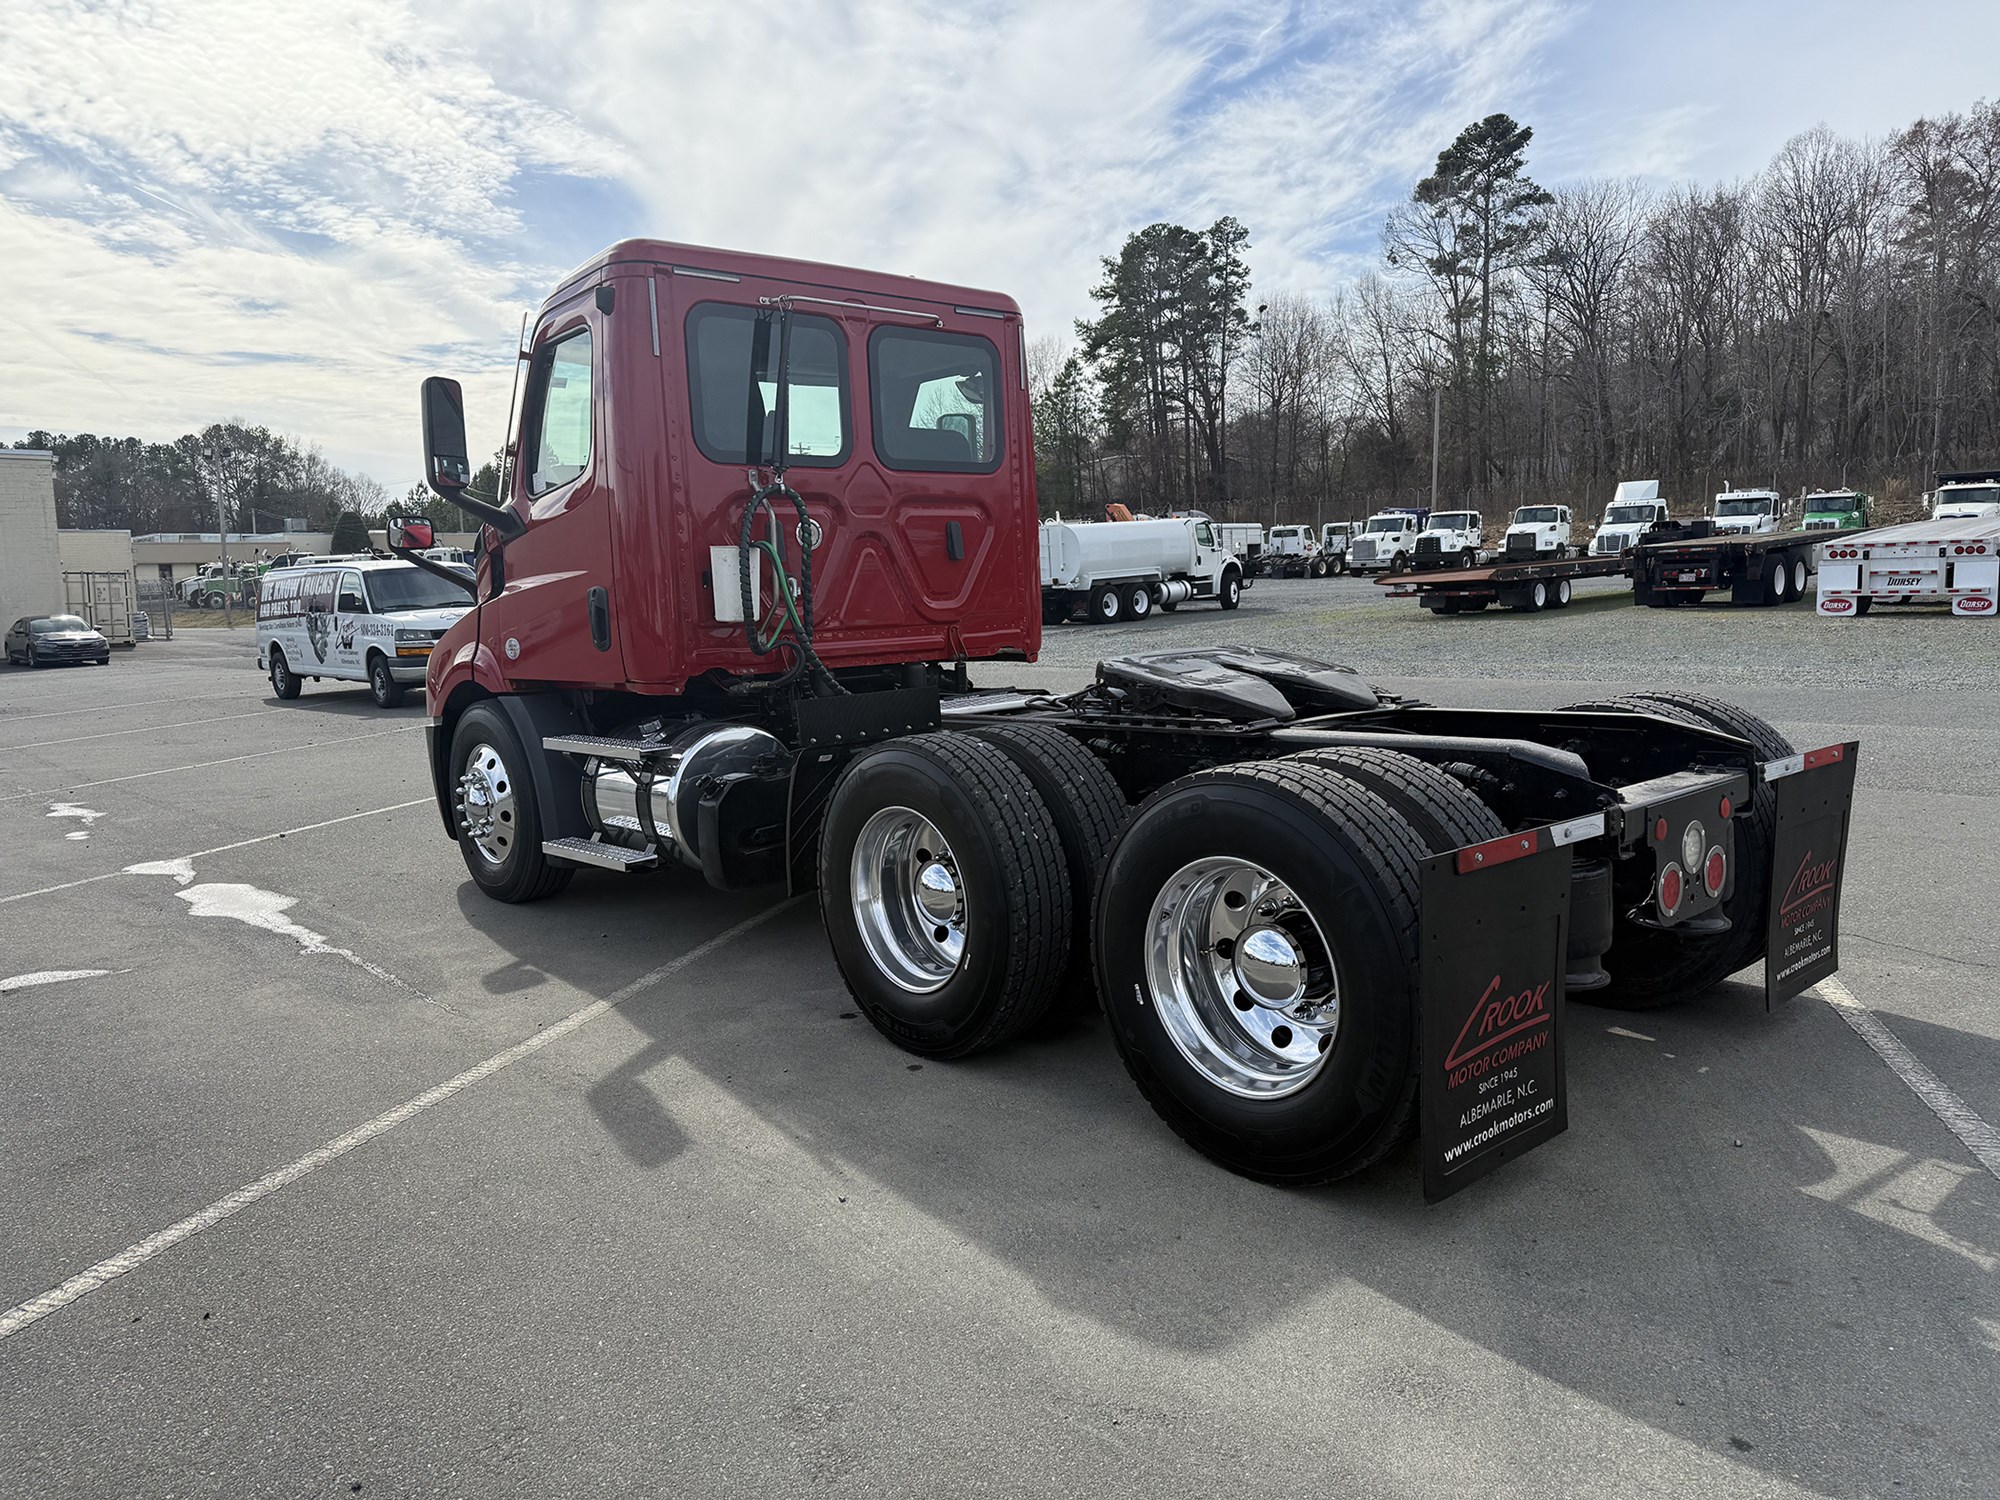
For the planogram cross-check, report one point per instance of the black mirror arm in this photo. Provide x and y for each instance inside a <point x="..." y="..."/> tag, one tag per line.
<point x="437" y="569"/>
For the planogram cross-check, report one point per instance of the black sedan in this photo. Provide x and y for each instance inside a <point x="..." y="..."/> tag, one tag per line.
<point x="46" y="640"/>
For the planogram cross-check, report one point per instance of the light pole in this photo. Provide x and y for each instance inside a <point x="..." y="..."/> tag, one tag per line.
<point x="215" y="453"/>
<point x="1436" y="395"/>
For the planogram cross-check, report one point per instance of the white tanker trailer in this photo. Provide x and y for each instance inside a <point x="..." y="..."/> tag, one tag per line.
<point x="1124" y="570"/>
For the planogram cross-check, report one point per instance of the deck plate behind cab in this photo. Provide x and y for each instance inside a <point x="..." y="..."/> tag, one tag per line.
<point x="1243" y="683"/>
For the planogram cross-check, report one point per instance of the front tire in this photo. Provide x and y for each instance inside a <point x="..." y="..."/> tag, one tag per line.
<point x="494" y="810"/>
<point x="1232" y="589"/>
<point x="284" y="682"/>
<point x="382" y="683"/>
<point x="944" y="892"/>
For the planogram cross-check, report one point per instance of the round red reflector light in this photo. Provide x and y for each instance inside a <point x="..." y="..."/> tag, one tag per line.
<point x="1671" y="889"/>
<point x="1714" y="870"/>
<point x="1728" y="809"/>
<point x="1659" y="830"/>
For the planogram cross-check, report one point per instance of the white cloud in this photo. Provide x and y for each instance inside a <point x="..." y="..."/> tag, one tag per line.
<point x="289" y="213"/>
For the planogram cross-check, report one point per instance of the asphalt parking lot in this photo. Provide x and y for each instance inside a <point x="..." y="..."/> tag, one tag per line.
<point x="613" y="1195"/>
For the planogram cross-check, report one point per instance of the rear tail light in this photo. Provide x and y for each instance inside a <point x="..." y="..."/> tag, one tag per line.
<point x="1727" y="809"/>
<point x="1659" y="830"/>
<point x="1714" y="870"/>
<point x="1673" y="888"/>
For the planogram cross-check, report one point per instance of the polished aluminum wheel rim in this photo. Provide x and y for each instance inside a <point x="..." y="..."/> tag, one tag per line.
<point x="486" y="804"/>
<point x="909" y="900"/>
<point x="1242" y="977"/>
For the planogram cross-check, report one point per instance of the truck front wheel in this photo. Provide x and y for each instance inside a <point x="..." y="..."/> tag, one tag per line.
<point x="945" y="893"/>
<point x="1231" y="593"/>
<point x="493" y="810"/>
<point x="1256" y="947"/>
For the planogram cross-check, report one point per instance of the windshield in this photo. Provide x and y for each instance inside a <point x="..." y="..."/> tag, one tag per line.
<point x="1453" y="520"/>
<point x="1536" y="515"/>
<point x="398" y="589"/>
<point x="1628" y="515"/>
<point x="1830" y="504"/>
<point x="1389" y="523"/>
<point x="1970" y="494"/>
<point x="56" y="623"/>
<point x="1759" y="506"/>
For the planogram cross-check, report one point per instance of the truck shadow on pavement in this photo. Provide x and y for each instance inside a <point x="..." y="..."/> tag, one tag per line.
<point x="1752" y="1238"/>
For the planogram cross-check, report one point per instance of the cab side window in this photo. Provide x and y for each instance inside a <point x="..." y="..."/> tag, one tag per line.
<point x="936" y="400"/>
<point x="733" y="355"/>
<point x="352" y="600"/>
<point x="558" y="425"/>
<point x="1203" y="535"/>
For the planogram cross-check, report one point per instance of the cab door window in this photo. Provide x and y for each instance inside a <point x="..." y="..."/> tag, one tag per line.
<point x="352" y="600"/>
<point x="1203" y="536"/>
<point x="558" y="425"/>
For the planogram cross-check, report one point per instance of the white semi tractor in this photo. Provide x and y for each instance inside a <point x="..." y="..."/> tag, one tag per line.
<point x="1105" y="571"/>
<point x="1746" y="512"/>
<point x="1635" y="506"/>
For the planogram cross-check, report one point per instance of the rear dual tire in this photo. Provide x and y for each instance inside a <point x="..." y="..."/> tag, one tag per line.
<point x="1324" y="873"/>
<point x="1649" y="967"/>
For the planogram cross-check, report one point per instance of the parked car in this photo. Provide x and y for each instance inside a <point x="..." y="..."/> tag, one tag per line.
<point x="52" y="640"/>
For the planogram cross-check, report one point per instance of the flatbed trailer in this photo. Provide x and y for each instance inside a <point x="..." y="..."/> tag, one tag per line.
<point x="1669" y="570"/>
<point x="1954" y="561"/>
<point x="1522" y="585"/>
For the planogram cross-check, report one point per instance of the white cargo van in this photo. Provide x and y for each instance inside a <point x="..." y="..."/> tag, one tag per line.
<point x="354" y="621"/>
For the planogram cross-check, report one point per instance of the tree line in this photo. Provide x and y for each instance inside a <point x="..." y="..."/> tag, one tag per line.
<point x="261" y="479"/>
<point x="1833" y="319"/>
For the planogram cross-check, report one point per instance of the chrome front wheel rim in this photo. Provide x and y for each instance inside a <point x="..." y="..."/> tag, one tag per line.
<point x="1242" y="978"/>
<point x="909" y="900"/>
<point x="486" y="806"/>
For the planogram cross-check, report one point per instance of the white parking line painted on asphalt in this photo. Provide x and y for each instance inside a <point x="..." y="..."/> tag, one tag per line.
<point x="176" y="866"/>
<point x="202" y="765"/>
<point x="48" y="976"/>
<point x="16" y="1318"/>
<point x="96" y="708"/>
<point x="1978" y="1137"/>
<point x="112" y="734"/>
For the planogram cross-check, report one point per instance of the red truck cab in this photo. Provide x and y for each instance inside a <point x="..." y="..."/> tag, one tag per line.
<point x="650" y="396"/>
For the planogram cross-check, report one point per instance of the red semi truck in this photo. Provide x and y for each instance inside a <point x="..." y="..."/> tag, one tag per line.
<point x="759" y="518"/>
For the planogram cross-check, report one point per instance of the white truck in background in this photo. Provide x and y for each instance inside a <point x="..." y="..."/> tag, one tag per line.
<point x="1451" y="539"/>
<point x="1106" y="571"/>
<point x="1746" y="512"/>
<point x="1966" y="496"/>
<point x="1538" y="531"/>
<point x="1635" y="506"/>
<point x="1293" y="552"/>
<point x="1388" y="541"/>
<point x="1335" y="538"/>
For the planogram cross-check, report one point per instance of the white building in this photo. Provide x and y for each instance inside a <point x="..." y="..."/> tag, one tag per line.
<point x="31" y="579"/>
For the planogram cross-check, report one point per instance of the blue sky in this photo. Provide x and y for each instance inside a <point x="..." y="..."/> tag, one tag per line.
<point x="289" y="214"/>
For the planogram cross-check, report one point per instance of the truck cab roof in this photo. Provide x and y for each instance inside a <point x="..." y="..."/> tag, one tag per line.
<point x="840" y="283"/>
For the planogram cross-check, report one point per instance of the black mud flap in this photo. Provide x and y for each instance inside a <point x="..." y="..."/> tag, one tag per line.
<point x="1815" y="794"/>
<point x="813" y="774"/>
<point x="1495" y="931"/>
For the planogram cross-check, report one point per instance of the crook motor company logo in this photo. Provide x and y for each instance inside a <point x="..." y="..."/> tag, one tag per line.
<point x="1810" y="891"/>
<point x="1503" y="1026"/>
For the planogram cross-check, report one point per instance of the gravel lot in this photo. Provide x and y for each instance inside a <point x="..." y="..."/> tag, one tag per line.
<point x="706" y="1234"/>
<point x="1600" y="636"/>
